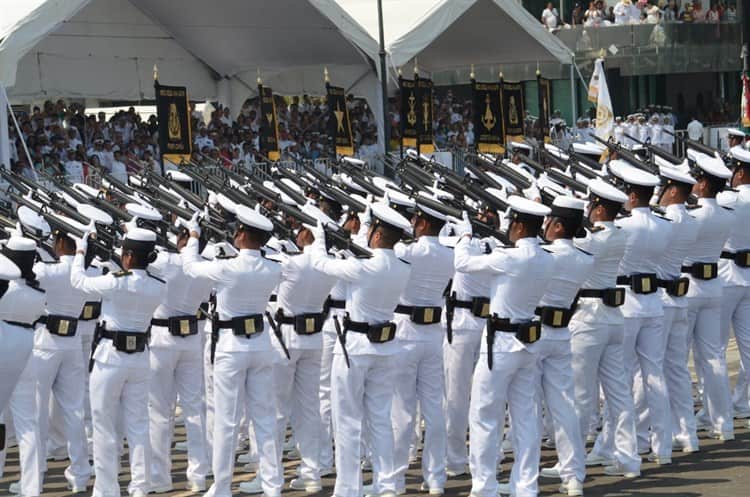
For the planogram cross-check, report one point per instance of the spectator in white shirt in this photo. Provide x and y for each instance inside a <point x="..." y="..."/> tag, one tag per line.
<point x="695" y="130"/>
<point x="549" y="16"/>
<point x="118" y="169"/>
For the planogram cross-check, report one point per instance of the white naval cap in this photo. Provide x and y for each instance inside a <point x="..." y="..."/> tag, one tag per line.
<point x="736" y="132"/>
<point x="440" y="194"/>
<point x="322" y="217"/>
<point x="32" y="220"/>
<point x="20" y="244"/>
<point x="384" y="214"/>
<point x="225" y="203"/>
<point x="422" y="208"/>
<point x="8" y="269"/>
<point x="631" y="175"/>
<point x="674" y="175"/>
<point x="398" y="200"/>
<point x="252" y="218"/>
<point x="284" y="197"/>
<point x="521" y="207"/>
<point x="94" y="214"/>
<point x="384" y="183"/>
<point x="179" y="176"/>
<point x="86" y="189"/>
<point x="740" y="154"/>
<point x="143" y="211"/>
<point x="348" y="182"/>
<point x="712" y="166"/>
<point x="71" y="222"/>
<point x="140" y="235"/>
<point x="567" y="206"/>
<point x="601" y="190"/>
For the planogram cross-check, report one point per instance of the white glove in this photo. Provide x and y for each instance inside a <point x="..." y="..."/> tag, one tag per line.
<point x="463" y="225"/>
<point x="82" y="243"/>
<point x="133" y="223"/>
<point x="365" y="217"/>
<point x="318" y="232"/>
<point x="193" y="225"/>
<point x="18" y="231"/>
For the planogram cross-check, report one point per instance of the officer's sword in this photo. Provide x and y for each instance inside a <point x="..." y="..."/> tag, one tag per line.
<point x="277" y="332"/>
<point x="342" y="340"/>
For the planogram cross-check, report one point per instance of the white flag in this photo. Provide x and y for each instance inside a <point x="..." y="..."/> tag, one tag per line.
<point x="604" y="113"/>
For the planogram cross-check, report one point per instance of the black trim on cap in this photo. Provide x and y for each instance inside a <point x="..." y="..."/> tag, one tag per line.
<point x="138" y="245"/>
<point x="566" y="212"/>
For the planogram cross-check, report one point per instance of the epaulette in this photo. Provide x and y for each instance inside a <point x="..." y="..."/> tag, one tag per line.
<point x="50" y="262"/>
<point x="156" y="278"/>
<point x="120" y="274"/>
<point x="225" y="256"/>
<point x="661" y="217"/>
<point x="623" y="216"/>
<point x="584" y="251"/>
<point x="547" y="250"/>
<point x="595" y="229"/>
<point x="727" y="208"/>
<point x="404" y="261"/>
<point x="487" y="248"/>
<point x="693" y="206"/>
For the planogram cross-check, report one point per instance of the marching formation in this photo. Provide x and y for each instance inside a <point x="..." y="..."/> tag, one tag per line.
<point x="548" y="299"/>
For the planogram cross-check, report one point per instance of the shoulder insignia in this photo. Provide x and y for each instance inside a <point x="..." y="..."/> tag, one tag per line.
<point x="404" y="261"/>
<point x="225" y="256"/>
<point x="595" y="229"/>
<point x="487" y="248"/>
<point x="156" y="277"/>
<point x="662" y="217"/>
<point x="120" y="274"/>
<point x="584" y="251"/>
<point x="727" y="208"/>
<point x="50" y="262"/>
<point x="623" y="216"/>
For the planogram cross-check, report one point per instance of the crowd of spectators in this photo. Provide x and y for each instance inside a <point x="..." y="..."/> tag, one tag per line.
<point x="63" y="139"/>
<point x="622" y="12"/>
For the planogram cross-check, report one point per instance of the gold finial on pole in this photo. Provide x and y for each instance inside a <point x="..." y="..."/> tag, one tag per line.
<point x="325" y="74"/>
<point x="538" y="72"/>
<point x="399" y="72"/>
<point x="260" y="81"/>
<point x="602" y="53"/>
<point x="156" y="72"/>
<point x="416" y="66"/>
<point x="471" y="74"/>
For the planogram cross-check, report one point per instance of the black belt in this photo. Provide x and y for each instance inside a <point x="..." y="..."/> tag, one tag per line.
<point x="91" y="310"/>
<point x="421" y="315"/>
<point x="273" y="298"/>
<point x="336" y="304"/>
<point x="640" y="283"/>
<point x="247" y="326"/>
<point x="19" y="323"/>
<point x="676" y="288"/>
<point x="740" y="257"/>
<point x="179" y="326"/>
<point x="702" y="270"/>
<point x="611" y="297"/>
<point x="129" y="342"/>
<point x="554" y="317"/>
<point x="304" y="324"/>
<point x="64" y="326"/>
<point x="376" y="333"/>
<point x="203" y="310"/>
<point x="528" y="332"/>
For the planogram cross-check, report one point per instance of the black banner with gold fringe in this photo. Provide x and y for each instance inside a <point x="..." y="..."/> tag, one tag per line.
<point x="339" y="125"/>
<point x="269" y="129"/>
<point x="173" y="113"/>
<point x="488" y="122"/>
<point x="513" y="115"/>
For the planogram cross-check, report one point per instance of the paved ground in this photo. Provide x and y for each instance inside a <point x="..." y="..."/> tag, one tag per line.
<point x="718" y="470"/>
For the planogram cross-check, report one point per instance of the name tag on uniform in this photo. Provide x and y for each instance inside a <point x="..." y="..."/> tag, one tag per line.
<point x="429" y="314"/>
<point x="184" y="327"/>
<point x="557" y="318"/>
<point x="130" y="343"/>
<point x="309" y="325"/>
<point x="62" y="327"/>
<point x="88" y="311"/>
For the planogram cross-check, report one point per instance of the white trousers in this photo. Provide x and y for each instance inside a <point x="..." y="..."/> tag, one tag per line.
<point x="238" y="376"/>
<point x="558" y="394"/>
<point x="677" y="376"/>
<point x="511" y="380"/>
<point x="644" y="348"/>
<point x="208" y="397"/>
<point x="326" y="427"/>
<point x="459" y="360"/>
<point x="419" y="378"/>
<point x="361" y="398"/>
<point x="14" y="354"/>
<point x="60" y="372"/>
<point x="119" y="397"/>
<point x="597" y="359"/>
<point x="297" y="387"/>
<point x="736" y="315"/>
<point x="709" y="353"/>
<point x="24" y="408"/>
<point x="176" y="372"/>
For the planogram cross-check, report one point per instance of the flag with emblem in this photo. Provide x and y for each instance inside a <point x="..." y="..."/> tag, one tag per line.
<point x="173" y="114"/>
<point x="339" y="125"/>
<point x="604" y="113"/>
<point x="511" y="99"/>
<point x="269" y="129"/>
<point x="424" y="123"/>
<point x="488" y="122"/>
<point x="408" y="116"/>
<point x="545" y="103"/>
<point x="745" y="105"/>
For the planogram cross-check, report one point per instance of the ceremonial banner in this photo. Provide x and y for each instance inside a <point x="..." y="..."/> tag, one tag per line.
<point x="409" y="110"/>
<point x="488" y="122"/>
<point x="745" y="103"/>
<point x="604" y="115"/>
<point x="173" y="114"/>
<point x="512" y="105"/>
<point x="269" y="129"/>
<point x="545" y="104"/>
<point x="424" y="122"/>
<point x="339" y="125"/>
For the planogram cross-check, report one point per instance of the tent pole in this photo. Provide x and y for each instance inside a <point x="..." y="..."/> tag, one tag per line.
<point x="4" y="135"/>
<point x="573" y="103"/>
<point x="383" y="80"/>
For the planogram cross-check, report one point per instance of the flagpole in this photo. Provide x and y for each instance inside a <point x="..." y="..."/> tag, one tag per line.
<point x="383" y="81"/>
<point x="573" y="90"/>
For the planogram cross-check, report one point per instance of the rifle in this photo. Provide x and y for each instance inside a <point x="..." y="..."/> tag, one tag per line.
<point x="656" y="151"/>
<point x="627" y="155"/>
<point x="712" y="152"/>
